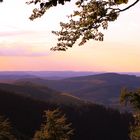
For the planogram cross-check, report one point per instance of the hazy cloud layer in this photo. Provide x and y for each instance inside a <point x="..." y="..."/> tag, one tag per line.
<point x="20" y="50"/>
<point x="16" y="33"/>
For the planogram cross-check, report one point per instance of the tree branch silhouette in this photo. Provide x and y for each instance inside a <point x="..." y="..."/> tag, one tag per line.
<point x="129" y="6"/>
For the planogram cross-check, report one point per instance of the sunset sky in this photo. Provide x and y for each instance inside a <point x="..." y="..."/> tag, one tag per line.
<point x="25" y="44"/>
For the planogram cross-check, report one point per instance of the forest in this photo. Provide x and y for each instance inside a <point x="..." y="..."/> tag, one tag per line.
<point x="23" y="103"/>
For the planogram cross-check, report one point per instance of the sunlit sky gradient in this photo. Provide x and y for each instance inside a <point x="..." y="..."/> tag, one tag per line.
<point x="25" y="44"/>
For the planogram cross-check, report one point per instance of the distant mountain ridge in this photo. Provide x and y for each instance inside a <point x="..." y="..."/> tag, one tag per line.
<point x="63" y="74"/>
<point x="101" y="88"/>
<point x="98" y="88"/>
<point x="12" y="78"/>
<point x="47" y="74"/>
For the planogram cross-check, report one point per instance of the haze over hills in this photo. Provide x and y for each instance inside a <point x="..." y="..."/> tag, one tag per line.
<point x="98" y="88"/>
<point x="101" y="88"/>
<point x="44" y="74"/>
<point x="51" y="75"/>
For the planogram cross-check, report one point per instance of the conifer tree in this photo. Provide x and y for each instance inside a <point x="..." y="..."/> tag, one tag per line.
<point x="5" y="129"/>
<point x="55" y="127"/>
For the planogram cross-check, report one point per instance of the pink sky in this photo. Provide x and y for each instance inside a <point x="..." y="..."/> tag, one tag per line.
<point x="25" y="44"/>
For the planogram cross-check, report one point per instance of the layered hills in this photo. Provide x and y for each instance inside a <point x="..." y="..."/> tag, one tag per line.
<point x="98" y="88"/>
<point x="101" y="88"/>
<point x="24" y="99"/>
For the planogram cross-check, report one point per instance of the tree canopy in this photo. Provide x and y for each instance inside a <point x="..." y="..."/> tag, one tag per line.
<point x="85" y="23"/>
<point x="5" y="129"/>
<point x="55" y="127"/>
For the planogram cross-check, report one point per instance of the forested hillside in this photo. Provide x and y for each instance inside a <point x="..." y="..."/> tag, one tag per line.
<point x="90" y="121"/>
<point x="39" y="92"/>
<point x="101" y="88"/>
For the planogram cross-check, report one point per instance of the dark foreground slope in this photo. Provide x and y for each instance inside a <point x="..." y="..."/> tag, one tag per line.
<point x="42" y="93"/>
<point x="90" y="121"/>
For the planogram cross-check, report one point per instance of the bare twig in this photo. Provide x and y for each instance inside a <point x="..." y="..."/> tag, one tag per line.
<point x="129" y="6"/>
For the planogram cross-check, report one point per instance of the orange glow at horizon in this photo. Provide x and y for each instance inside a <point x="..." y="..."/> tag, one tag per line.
<point x="25" y="45"/>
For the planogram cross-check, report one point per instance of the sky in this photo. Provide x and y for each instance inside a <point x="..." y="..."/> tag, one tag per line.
<point x="25" y="45"/>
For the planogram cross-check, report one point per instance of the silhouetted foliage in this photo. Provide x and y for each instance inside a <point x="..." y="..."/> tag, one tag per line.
<point x="85" y="23"/>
